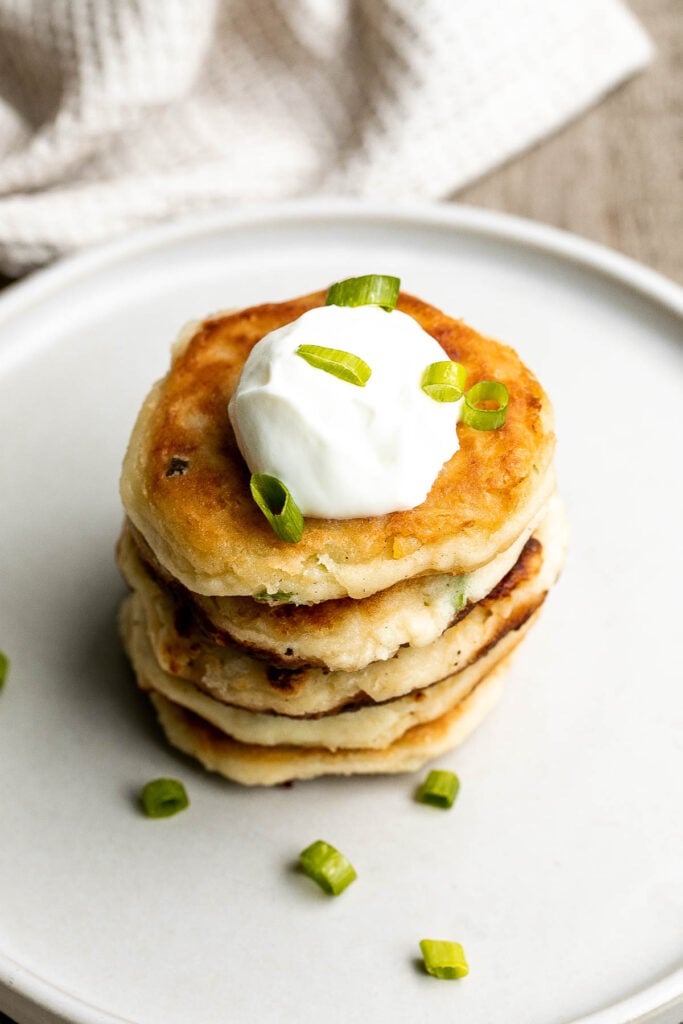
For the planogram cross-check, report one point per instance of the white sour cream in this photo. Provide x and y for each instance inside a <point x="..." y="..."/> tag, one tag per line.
<point x="345" y="451"/>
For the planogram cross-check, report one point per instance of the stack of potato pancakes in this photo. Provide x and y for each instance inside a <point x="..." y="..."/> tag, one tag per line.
<point x="371" y="645"/>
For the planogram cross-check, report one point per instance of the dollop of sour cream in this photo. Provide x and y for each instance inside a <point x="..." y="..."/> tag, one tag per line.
<point x="345" y="451"/>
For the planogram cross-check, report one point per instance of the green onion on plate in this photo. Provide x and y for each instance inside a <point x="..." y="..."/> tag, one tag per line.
<point x="4" y="668"/>
<point x="327" y="866"/>
<point x="439" y="789"/>
<point x="163" y="797"/>
<point x="444" y="959"/>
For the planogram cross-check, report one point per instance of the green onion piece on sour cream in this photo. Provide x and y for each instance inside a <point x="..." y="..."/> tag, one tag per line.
<point x="444" y="381"/>
<point x="371" y="290"/>
<point x="340" y="364"/>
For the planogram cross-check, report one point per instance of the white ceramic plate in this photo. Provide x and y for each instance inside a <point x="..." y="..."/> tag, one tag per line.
<point x="560" y="868"/>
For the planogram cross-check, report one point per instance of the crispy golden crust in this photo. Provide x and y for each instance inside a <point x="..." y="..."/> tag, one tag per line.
<point x="367" y="727"/>
<point x="185" y="484"/>
<point x="254" y="765"/>
<point x="342" y="634"/>
<point x="233" y="676"/>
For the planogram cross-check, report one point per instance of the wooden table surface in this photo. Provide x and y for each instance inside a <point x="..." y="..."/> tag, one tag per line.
<point x="616" y="174"/>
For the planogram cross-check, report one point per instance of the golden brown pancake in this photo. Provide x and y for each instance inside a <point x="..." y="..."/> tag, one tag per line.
<point x="254" y="765"/>
<point x="368" y="727"/>
<point x="185" y="485"/>
<point x="343" y="634"/>
<point x="232" y="675"/>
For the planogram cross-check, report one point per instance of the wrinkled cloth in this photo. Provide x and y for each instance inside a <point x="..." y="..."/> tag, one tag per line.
<point x="119" y="113"/>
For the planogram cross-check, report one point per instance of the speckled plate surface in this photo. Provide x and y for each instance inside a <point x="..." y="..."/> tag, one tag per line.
<point x="560" y="868"/>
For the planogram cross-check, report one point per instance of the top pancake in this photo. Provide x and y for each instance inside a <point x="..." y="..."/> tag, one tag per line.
<point x="185" y="484"/>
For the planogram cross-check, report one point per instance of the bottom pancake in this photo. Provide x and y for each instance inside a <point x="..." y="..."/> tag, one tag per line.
<point x="253" y="765"/>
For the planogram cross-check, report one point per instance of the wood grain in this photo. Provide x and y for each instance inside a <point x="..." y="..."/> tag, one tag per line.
<point x="616" y="174"/>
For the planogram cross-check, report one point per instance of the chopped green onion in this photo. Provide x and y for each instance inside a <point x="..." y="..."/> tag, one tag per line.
<point x="459" y="593"/>
<point x="280" y="596"/>
<point x="485" y="419"/>
<point x="4" y="666"/>
<point x="278" y="506"/>
<point x="371" y="290"/>
<point x="327" y="866"/>
<point x="340" y="364"/>
<point x="440" y="789"/>
<point x="163" y="797"/>
<point x="444" y="959"/>
<point x="445" y="381"/>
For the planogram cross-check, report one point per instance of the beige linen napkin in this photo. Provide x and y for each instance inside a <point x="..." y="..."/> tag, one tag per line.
<point x="118" y="113"/>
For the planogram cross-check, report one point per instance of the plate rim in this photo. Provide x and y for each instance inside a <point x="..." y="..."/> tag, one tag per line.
<point x="26" y="994"/>
<point x="474" y="220"/>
